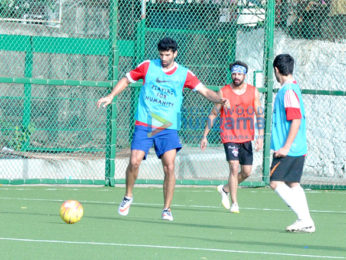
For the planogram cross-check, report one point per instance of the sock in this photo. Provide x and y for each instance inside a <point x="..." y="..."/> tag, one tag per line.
<point x="287" y="195"/>
<point x="301" y="201"/>
<point x="224" y="191"/>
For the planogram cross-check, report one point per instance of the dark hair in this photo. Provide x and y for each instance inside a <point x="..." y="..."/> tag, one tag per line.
<point x="167" y="44"/>
<point x="284" y="63"/>
<point x="237" y="62"/>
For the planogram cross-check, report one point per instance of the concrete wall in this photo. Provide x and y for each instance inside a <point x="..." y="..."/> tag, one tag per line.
<point x="319" y="65"/>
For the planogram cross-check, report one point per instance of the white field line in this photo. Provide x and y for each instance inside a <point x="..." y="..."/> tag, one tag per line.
<point x="193" y="188"/>
<point x="169" y="247"/>
<point x="173" y="205"/>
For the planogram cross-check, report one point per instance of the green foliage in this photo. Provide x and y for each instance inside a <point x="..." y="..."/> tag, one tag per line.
<point x="18" y="8"/>
<point x="21" y="136"/>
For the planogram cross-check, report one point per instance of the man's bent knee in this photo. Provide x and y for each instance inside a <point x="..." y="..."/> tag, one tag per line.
<point x="134" y="163"/>
<point x="169" y="168"/>
<point x="246" y="174"/>
<point x="234" y="165"/>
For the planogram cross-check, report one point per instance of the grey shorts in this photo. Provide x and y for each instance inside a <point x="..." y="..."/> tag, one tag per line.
<point x="287" y="169"/>
<point x="241" y="152"/>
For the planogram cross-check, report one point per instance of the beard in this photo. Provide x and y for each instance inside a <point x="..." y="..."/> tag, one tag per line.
<point x="238" y="82"/>
<point x="167" y="63"/>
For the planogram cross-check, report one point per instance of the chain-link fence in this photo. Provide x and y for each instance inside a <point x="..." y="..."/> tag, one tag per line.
<point x="54" y="56"/>
<point x="58" y="57"/>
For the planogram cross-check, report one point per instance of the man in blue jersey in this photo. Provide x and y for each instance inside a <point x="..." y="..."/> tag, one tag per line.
<point x="158" y="117"/>
<point x="288" y="141"/>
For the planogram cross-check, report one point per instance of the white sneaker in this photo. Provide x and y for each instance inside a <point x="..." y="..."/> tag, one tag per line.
<point x="307" y="226"/>
<point x="224" y="197"/>
<point x="167" y="214"/>
<point x="234" y="208"/>
<point x="124" y="206"/>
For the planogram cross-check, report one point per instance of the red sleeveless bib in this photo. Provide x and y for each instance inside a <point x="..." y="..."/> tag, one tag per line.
<point x="237" y="124"/>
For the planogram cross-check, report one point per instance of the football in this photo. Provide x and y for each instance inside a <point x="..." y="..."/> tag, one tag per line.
<point x="71" y="211"/>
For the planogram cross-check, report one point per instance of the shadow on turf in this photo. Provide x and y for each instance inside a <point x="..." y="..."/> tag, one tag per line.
<point x="131" y="219"/>
<point x="176" y="223"/>
<point x="149" y="221"/>
<point x="187" y="208"/>
<point x="267" y="244"/>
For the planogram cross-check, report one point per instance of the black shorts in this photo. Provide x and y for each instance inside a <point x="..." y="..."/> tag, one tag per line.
<point x="287" y="169"/>
<point x="241" y="152"/>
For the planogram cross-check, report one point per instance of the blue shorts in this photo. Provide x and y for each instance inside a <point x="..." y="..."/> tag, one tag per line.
<point x="163" y="141"/>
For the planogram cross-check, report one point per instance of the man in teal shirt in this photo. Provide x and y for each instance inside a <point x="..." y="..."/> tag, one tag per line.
<point x="288" y="141"/>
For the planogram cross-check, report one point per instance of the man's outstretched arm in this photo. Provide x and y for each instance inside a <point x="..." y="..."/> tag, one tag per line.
<point x="213" y="96"/>
<point x="119" y="87"/>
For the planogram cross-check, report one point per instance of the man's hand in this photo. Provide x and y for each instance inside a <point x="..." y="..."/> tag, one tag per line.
<point x="204" y="143"/>
<point x="259" y="144"/>
<point x="282" y="152"/>
<point x="105" y="101"/>
<point x="119" y="87"/>
<point x="225" y="103"/>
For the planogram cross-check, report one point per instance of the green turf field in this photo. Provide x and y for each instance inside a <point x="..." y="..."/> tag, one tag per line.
<point x="31" y="227"/>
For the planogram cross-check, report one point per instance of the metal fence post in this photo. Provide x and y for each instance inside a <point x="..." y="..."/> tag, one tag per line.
<point x="112" y="110"/>
<point x="27" y="93"/>
<point x="268" y="82"/>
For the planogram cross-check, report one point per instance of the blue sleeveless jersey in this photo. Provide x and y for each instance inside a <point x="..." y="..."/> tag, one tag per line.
<point x="161" y="96"/>
<point x="281" y="127"/>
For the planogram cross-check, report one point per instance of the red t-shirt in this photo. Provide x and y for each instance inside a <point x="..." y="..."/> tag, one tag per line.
<point x="140" y="72"/>
<point x="191" y="82"/>
<point x="292" y="105"/>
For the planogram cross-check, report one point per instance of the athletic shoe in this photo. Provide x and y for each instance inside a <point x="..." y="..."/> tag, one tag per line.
<point x="124" y="206"/>
<point x="302" y="226"/>
<point x="167" y="214"/>
<point x="224" y="197"/>
<point x="234" y="208"/>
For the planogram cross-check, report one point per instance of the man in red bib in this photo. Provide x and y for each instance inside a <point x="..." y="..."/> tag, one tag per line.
<point x="237" y="130"/>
